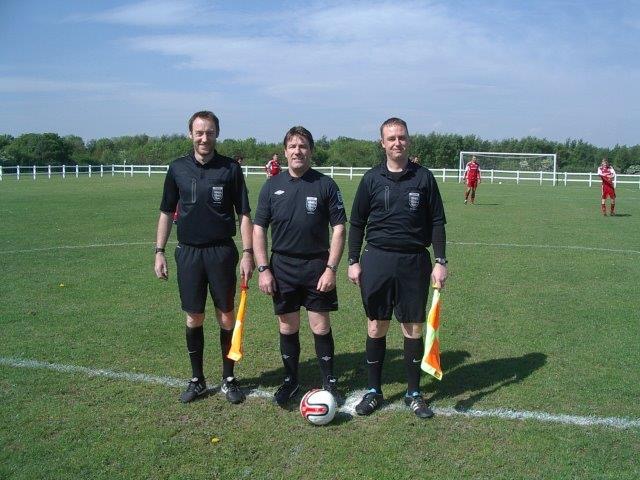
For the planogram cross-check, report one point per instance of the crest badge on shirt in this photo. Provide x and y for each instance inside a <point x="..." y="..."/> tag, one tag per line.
<point x="414" y="201"/>
<point x="312" y="204"/>
<point x="217" y="194"/>
<point x="340" y="201"/>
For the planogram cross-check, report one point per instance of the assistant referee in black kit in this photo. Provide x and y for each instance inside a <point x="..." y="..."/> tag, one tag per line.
<point x="399" y="205"/>
<point x="300" y="203"/>
<point x="209" y="188"/>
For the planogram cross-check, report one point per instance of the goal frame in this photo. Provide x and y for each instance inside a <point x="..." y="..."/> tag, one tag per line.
<point x="461" y="164"/>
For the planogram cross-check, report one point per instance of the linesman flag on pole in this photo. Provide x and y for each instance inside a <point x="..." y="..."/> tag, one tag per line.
<point x="431" y="360"/>
<point x="235" y="352"/>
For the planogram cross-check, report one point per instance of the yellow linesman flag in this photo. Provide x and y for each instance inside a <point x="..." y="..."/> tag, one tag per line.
<point x="431" y="360"/>
<point x="236" y="351"/>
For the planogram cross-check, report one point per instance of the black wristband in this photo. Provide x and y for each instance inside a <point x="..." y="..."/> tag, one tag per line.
<point x="159" y="250"/>
<point x="247" y="250"/>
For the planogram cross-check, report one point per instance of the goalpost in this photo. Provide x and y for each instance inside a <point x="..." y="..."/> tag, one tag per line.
<point x="512" y="162"/>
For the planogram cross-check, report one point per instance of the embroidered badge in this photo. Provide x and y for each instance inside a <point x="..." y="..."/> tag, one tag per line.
<point x="312" y="204"/>
<point x="414" y="201"/>
<point x="217" y="194"/>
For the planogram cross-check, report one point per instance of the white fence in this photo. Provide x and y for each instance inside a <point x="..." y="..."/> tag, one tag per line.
<point x="442" y="174"/>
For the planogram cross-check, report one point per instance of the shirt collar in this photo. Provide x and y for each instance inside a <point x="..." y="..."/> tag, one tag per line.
<point x="409" y="170"/>
<point x="209" y="164"/>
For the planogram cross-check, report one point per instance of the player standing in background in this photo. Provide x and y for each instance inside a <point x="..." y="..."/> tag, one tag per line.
<point x="472" y="177"/>
<point x="607" y="175"/>
<point x="210" y="190"/>
<point x="273" y="166"/>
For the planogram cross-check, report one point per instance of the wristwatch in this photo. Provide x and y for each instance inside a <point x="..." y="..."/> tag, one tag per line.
<point x="441" y="261"/>
<point x="333" y="268"/>
<point x="354" y="260"/>
<point x="262" y="268"/>
<point x="159" y="250"/>
<point x="248" y="250"/>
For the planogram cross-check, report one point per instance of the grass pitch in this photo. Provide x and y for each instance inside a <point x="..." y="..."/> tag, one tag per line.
<point x="540" y="315"/>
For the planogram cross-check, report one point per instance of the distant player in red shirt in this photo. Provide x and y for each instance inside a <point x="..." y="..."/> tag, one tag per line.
<point x="472" y="177"/>
<point x="607" y="175"/>
<point x="273" y="166"/>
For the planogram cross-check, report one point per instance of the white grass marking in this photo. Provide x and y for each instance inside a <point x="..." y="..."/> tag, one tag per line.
<point x="473" y="244"/>
<point x="73" y="247"/>
<point x="566" y="247"/>
<point x="350" y="402"/>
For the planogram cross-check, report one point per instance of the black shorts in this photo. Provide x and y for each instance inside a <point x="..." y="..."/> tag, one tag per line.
<point x="199" y="267"/>
<point x="395" y="283"/>
<point x="296" y="282"/>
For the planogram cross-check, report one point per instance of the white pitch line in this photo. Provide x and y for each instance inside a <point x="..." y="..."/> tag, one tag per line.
<point x="350" y="402"/>
<point x="473" y="244"/>
<point x="566" y="247"/>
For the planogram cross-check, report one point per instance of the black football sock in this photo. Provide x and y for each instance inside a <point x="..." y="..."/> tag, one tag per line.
<point x="225" y="345"/>
<point x="195" y="347"/>
<point x="413" y="352"/>
<point x="290" y="351"/>
<point x="375" y="352"/>
<point x="324" y="351"/>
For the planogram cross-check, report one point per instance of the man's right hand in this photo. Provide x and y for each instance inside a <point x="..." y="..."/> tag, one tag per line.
<point x="354" y="273"/>
<point x="162" y="272"/>
<point x="266" y="282"/>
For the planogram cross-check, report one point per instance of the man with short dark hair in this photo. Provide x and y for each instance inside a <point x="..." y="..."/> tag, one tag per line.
<point x="209" y="190"/>
<point x="399" y="206"/>
<point x="300" y="203"/>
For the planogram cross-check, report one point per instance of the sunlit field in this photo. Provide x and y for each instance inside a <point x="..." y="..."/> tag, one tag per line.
<point x="539" y="340"/>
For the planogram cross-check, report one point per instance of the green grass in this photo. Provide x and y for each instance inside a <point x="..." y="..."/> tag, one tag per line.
<point x="524" y="327"/>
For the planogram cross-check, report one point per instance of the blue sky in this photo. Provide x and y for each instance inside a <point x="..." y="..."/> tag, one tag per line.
<point x="496" y="69"/>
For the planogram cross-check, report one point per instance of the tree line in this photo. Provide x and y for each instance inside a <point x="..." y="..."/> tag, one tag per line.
<point x="435" y="150"/>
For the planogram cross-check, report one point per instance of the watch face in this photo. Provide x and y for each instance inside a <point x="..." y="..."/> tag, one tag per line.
<point x="262" y="268"/>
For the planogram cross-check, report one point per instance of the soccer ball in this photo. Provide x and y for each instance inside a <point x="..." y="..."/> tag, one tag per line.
<point x="318" y="406"/>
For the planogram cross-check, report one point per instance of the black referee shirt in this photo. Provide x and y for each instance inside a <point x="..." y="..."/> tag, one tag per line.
<point x="399" y="214"/>
<point x="208" y="196"/>
<point x="299" y="211"/>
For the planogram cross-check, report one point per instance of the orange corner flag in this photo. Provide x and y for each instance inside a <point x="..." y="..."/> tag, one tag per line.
<point x="431" y="361"/>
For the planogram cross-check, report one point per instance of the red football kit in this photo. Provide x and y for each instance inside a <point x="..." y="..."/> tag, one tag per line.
<point x="472" y="174"/>
<point x="272" y="168"/>
<point x="607" y="174"/>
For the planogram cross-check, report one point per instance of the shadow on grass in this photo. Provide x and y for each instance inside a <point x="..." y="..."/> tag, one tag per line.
<point x="351" y="371"/>
<point x="484" y="378"/>
<point x="621" y="215"/>
<point x="477" y="380"/>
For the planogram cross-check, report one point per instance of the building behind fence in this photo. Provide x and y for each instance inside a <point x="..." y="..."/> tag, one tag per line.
<point x="443" y="174"/>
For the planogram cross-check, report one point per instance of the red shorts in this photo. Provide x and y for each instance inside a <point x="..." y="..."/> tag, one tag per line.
<point x="472" y="183"/>
<point x="608" y="191"/>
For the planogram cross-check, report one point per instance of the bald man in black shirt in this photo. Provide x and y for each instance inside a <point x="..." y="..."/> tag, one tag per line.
<point x="209" y="189"/>
<point x="300" y="203"/>
<point x="399" y="205"/>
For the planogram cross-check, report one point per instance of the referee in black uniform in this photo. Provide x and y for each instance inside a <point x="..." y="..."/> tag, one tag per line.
<point x="300" y="203"/>
<point x="399" y="205"/>
<point x="209" y="188"/>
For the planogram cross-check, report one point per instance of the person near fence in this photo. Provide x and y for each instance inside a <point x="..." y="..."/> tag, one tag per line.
<point x="300" y="204"/>
<point x="210" y="190"/>
<point x="399" y="206"/>
<point x="472" y="178"/>
<point x="608" y="175"/>
<point x="273" y="166"/>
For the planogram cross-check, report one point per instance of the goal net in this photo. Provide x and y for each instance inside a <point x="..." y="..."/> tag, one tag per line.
<point x="520" y="166"/>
